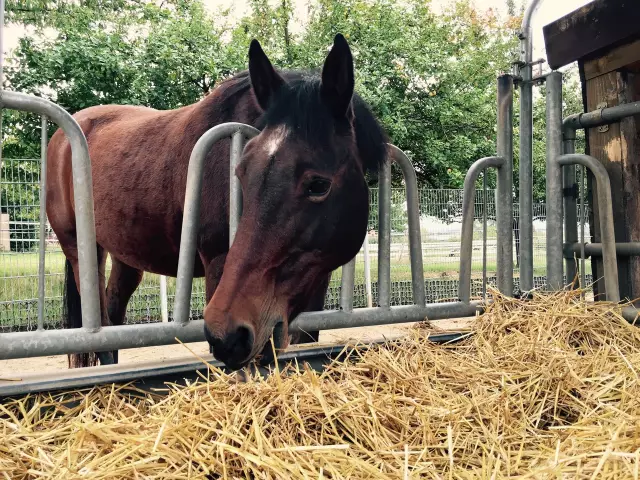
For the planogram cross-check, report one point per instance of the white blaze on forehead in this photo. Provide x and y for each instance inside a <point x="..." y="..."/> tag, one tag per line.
<point x="276" y="137"/>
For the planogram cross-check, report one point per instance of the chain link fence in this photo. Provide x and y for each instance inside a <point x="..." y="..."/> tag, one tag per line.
<point x="441" y="215"/>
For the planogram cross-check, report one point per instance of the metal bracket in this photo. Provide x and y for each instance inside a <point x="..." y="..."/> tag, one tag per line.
<point x="599" y="107"/>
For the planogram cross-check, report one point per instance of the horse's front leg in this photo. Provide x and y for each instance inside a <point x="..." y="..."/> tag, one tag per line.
<point x="123" y="281"/>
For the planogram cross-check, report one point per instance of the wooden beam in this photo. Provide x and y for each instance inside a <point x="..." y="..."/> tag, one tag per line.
<point x="625" y="56"/>
<point x="587" y="30"/>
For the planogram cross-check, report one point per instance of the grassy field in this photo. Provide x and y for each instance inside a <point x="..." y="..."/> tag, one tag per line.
<point x="19" y="284"/>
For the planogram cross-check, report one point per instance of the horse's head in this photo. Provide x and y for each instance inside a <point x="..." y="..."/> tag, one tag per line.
<point x="305" y="202"/>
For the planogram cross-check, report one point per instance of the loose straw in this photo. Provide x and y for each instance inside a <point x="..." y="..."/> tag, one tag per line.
<point x="547" y="388"/>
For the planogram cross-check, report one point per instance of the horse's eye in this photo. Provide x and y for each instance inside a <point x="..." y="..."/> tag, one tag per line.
<point x="318" y="187"/>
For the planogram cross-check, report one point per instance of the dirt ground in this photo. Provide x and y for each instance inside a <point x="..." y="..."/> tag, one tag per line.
<point x="14" y="369"/>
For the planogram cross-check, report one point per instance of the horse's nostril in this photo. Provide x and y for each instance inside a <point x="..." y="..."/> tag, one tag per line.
<point x="234" y="349"/>
<point x="243" y="342"/>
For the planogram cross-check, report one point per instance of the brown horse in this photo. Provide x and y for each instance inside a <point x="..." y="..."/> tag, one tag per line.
<point x="305" y="198"/>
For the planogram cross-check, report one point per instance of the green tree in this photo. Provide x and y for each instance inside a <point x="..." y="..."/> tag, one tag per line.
<point x="430" y="79"/>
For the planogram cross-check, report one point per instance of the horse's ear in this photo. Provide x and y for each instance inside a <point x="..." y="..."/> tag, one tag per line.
<point x="338" y="77"/>
<point x="264" y="78"/>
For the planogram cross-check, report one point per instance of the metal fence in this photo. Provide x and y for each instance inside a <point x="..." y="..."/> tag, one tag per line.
<point x="441" y="215"/>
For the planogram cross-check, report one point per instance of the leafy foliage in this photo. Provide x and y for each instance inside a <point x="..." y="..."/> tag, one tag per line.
<point x="430" y="78"/>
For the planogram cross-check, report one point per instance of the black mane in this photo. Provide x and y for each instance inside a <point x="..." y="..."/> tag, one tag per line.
<point x="300" y="107"/>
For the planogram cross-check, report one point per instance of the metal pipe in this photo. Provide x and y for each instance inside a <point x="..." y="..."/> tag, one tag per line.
<point x="600" y="117"/>
<point x="605" y="208"/>
<point x="384" y="235"/>
<point x="43" y="221"/>
<point x="623" y="249"/>
<point x="366" y="317"/>
<point x="82" y="196"/>
<point x="79" y="340"/>
<point x="583" y="214"/>
<point x="504" y="185"/>
<point x="554" y="181"/>
<point x="413" y="216"/>
<point x="466" y="242"/>
<point x="526" y="34"/>
<point x="367" y="271"/>
<point x="188" y="238"/>
<point x="526" y="151"/>
<point x="526" y="182"/>
<point x="346" y="290"/>
<point x="164" y="307"/>
<point x="570" y="211"/>
<point x="235" y="189"/>
<point x="570" y="217"/>
<point x="484" y="237"/>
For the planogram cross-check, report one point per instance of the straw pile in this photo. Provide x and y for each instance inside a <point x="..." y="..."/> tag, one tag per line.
<point x="544" y="389"/>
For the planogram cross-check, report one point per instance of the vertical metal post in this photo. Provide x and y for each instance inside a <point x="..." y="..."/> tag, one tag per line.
<point x="484" y="234"/>
<point x="504" y="196"/>
<point x="526" y="179"/>
<point x="43" y="221"/>
<point x="526" y="150"/>
<point x="554" y="181"/>
<point x="583" y="219"/>
<point x="384" y="235"/>
<point x="367" y="270"/>
<point x="346" y="290"/>
<point x="570" y="209"/>
<point x="164" y="307"/>
<point x="235" y="191"/>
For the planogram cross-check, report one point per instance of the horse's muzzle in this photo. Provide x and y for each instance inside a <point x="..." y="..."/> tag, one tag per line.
<point x="234" y="348"/>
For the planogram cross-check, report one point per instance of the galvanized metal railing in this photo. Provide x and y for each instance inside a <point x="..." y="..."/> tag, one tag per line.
<point x="93" y="338"/>
<point x="346" y="316"/>
<point x="83" y="200"/>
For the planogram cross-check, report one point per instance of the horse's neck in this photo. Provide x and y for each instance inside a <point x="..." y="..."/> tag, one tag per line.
<point x="216" y="108"/>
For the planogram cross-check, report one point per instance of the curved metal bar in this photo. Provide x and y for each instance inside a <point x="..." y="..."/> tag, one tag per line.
<point x="188" y="238"/>
<point x="466" y="243"/>
<point x="82" y="196"/>
<point x="413" y="214"/>
<point x="605" y="208"/>
<point x="526" y="40"/>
